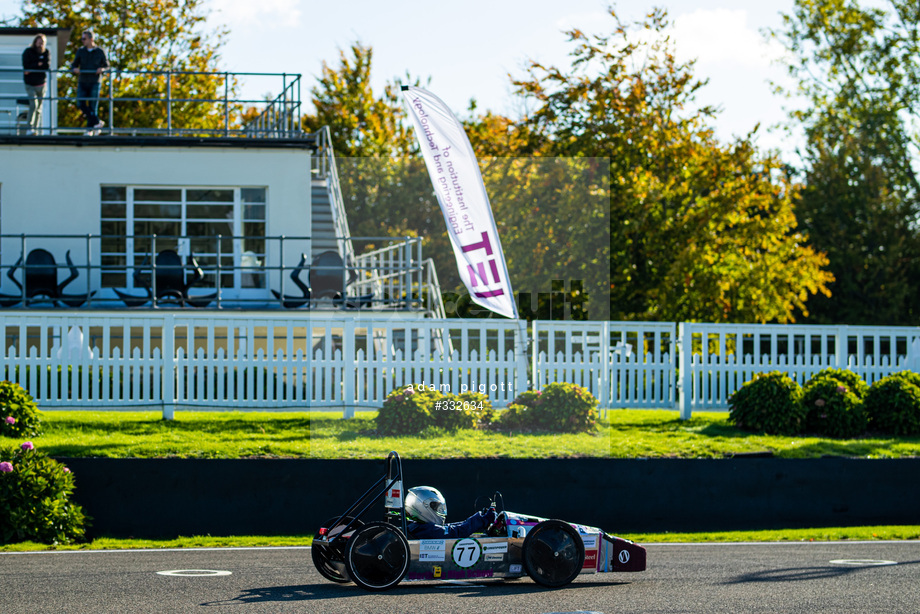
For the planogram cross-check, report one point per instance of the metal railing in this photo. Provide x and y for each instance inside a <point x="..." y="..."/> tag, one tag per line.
<point x="125" y="96"/>
<point x="242" y="272"/>
<point x="323" y="167"/>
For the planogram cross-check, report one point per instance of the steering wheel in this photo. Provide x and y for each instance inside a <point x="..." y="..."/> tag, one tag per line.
<point x="497" y="528"/>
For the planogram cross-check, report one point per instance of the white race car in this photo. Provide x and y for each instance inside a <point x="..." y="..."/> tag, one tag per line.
<point x="379" y="555"/>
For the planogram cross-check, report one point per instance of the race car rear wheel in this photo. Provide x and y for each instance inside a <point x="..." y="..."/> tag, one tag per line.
<point x="325" y="555"/>
<point x="553" y="553"/>
<point x="377" y="556"/>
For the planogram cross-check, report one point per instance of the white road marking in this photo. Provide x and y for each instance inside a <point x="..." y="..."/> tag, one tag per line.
<point x="194" y="572"/>
<point x="862" y="562"/>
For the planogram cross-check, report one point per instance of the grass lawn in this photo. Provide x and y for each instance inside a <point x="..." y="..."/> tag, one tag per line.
<point x="625" y="434"/>
<point x="256" y="541"/>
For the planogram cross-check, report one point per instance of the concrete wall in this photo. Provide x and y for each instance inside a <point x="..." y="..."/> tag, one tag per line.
<point x="170" y="497"/>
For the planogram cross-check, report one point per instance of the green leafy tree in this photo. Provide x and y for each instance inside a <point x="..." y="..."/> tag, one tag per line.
<point x="858" y="68"/>
<point x="363" y="124"/>
<point x="699" y="230"/>
<point x="143" y="35"/>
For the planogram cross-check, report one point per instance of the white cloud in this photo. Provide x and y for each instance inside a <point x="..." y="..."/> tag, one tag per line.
<point x="722" y="35"/>
<point x="238" y="14"/>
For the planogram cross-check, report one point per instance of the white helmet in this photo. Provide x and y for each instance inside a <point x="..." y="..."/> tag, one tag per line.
<point x="426" y="504"/>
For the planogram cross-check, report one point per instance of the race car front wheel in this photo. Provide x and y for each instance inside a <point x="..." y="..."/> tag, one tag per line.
<point x="377" y="556"/>
<point x="329" y="560"/>
<point x="553" y="553"/>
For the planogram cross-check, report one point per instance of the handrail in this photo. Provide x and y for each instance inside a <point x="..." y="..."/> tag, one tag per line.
<point x="435" y="302"/>
<point x="323" y="165"/>
<point x="280" y="117"/>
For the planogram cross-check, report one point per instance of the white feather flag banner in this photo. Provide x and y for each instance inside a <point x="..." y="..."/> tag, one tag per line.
<point x="462" y="195"/>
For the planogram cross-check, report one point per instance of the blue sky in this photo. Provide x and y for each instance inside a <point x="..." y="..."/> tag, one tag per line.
<point x="469" y="49"/>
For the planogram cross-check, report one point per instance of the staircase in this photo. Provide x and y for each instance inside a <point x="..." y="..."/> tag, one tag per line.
<point x="323" y="223"/>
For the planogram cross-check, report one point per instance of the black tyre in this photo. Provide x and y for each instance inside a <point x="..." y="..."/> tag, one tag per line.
<point x="329" y="560"/>
<point x="553" y="553"/>
<point x="377" y="556"/>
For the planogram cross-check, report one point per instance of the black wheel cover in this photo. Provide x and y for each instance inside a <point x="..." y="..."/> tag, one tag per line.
<point x="323" y="554"/>
<point x="377" y="556"/>
<point x="553" y="553"/>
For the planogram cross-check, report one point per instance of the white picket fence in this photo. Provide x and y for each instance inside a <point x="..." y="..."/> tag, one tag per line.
<point x="274" y="361"/>
<point x="724" y="356"/>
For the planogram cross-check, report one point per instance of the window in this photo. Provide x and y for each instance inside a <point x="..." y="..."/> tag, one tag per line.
<point x="225" y="225"/>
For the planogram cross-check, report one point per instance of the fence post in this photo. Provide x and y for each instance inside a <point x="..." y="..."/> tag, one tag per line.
<point x="685" y="381"/>
<point x="840" y="347"/>
<point x="348" y="358"/>
<point x="523" y="367"/>
<point x="605" y="367"/>
<point x="534" y="347"/>
<point x="168" y="103"/>
<point x="168" y="367"/>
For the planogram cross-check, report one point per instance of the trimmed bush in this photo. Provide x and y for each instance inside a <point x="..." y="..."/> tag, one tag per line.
<point x="769" y="403"/>
<point x="514" y="418"/>
<point x="18" y="412"/>
<point x="559" y="407"/>
<point x="833" y="409"/>
<point x="479" y="405"/>
<point x="35" y="499"/>
<point x="449" y="413"/>
<point x="567" y="408"/>
<point x="853" y="382"/>
<point x="410" y="410"/>
<point x="893" y="404"/>
<point x="407" y="411"/>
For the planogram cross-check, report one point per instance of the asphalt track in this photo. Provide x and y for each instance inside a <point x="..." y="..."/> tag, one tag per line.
<point x="736" y="578"/>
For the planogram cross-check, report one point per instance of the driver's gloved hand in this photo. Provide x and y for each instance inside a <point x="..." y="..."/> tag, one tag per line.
<point x="489" y="516"/>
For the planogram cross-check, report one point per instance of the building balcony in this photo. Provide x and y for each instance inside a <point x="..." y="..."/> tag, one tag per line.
<point x="248" y="272"/>
<point x="159" y="103"/>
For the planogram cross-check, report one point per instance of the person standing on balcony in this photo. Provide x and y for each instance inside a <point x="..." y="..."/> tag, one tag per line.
<point x="36" y="60"/>
<point x="89" y="64"/>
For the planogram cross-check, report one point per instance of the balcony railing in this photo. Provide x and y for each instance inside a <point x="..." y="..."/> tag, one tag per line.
<point x="216" y="272"/>
<point x="163" y="103"/>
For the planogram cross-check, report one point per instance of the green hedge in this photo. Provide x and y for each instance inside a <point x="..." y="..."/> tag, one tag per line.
<point x="35" y="500"/>
<point x="410" y="410"/>
<point x="18" y="412"/>
<point x="893" y="404"/>
<point x="769" y="403"/>
<point x="559" y="407"/>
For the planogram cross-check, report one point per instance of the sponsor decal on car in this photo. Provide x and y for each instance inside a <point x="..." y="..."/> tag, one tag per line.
<point x="590" y="560"/>
<point x="491" y="548"/>
<point x="516" y="568"/>
<point x="590" y="541"/>
<point x="493" y="556"/>
<point x="431" y="556"/>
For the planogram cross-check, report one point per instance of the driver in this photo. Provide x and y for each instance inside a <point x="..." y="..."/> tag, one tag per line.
<point x="426" y="511"/>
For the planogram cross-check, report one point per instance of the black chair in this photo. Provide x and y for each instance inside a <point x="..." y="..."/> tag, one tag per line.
<point x="171" y="286"/>
<point x="328" y="276"/>
<point x="293" y="302"/>
<point x="40" y="274"/>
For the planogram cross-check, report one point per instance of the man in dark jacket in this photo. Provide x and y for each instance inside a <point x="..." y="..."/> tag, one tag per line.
<point x="89" y="64"/>
<point x="426" y="511"/>
<point x="35" y="64"/>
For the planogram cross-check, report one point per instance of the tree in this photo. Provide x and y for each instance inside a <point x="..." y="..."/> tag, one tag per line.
<point x="362" y="124"/>
<point x="859" y="69"/>
<point x="143" y="35"/>
<point x="698" y="230"/>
